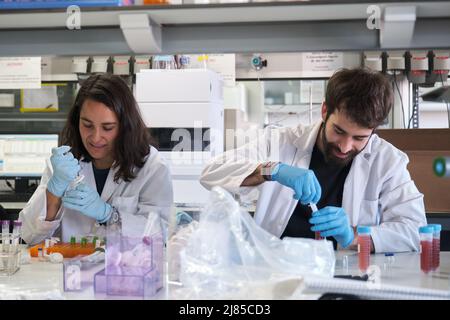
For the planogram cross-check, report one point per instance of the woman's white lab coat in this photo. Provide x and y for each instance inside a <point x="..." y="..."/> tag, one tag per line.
<point x="150" y="191"/>
<point x="378" y="190"/>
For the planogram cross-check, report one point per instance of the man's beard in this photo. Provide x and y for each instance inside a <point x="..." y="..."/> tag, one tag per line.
<point x="329" y="155"/>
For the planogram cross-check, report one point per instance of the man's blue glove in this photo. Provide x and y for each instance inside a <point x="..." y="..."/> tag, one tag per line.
<point x="333" y="222"/>
<point x="87" y="201"/>
<point x="65" y="170"/>
<point x="302" y="181"/>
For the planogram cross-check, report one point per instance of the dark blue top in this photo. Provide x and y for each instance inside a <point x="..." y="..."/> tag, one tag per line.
<point x="100" y="178"/>
<point x="331" y="178"/>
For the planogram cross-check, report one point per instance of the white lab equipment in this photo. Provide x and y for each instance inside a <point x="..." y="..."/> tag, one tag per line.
<point x="184" y="109"/>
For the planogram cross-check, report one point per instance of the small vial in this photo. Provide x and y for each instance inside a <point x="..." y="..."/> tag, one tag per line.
<point x="5" y="226"/>
<point x="317" y="235"/>
<point x="41" y="254"/>
<point x="426" y="248"/>
<point x="83" y="242"/>
<point x="75" y="183"/>
<point x="73" y="240"/>
<point x="17" y="227"/>
<point x="17" y="231"/>
<point x="363" y="248"/>
<point x="46" y="246"/>
<point x="5" y="232"/>
<point x="95" y="241"/>
<point x="388" y="262"/>
<point x="436" y="246"/>
<point x="345" y="264"/>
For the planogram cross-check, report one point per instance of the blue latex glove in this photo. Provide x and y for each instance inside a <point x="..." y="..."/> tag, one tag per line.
<point x="87" y="201"/>
<point x="333" y="222"/>
<point x="183" y="218"/>
<point x="302" y="181"/>
<point x="65" y="170"/>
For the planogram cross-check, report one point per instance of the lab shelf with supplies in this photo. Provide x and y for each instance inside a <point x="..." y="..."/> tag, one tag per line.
<point x="25" y="114"/>
<point x="237" y="27"/>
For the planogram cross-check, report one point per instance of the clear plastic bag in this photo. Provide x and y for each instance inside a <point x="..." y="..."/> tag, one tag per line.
<point x="229" y="256"/>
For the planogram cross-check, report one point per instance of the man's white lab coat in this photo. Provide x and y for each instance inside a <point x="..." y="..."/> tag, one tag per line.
<point x="378" y="190"/>
<point x="150" y="191"/>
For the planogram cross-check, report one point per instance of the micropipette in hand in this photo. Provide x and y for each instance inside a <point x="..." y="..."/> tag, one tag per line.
<point x="78" y="179"/>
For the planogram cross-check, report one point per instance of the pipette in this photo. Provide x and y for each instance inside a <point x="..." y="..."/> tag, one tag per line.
<point x="78" y="179"/>
<point x="317" y="235"/>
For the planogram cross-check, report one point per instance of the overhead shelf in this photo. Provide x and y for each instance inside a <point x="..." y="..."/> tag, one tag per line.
<point x="218" y="13"/>
<point x="240" y="27"/>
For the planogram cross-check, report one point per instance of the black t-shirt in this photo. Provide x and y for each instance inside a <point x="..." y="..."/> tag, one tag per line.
<point x="331" y="178"/>
<point x="100" y="178"/>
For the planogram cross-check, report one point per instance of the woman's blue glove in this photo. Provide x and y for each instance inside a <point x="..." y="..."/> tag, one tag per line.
<point x="333" y="222"/>
<point x="87" y="201"/>
<point x="65" y="170"/>
<point x="302" y="181"/>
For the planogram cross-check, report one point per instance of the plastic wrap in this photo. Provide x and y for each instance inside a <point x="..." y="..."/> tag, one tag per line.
<point x="229" y="256"/>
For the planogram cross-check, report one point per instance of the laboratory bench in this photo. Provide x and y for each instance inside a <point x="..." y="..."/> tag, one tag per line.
<point x="402" y="270"/>
<point x="44" y="280"/>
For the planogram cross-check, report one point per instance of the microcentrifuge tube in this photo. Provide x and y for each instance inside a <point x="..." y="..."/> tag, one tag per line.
<point x="388" y="263"/>
<point x="317" y="235"/>
<point x="345" y="264"/>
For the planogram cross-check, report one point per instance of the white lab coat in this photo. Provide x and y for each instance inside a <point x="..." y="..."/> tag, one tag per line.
<point x="378" y="190"/>
<point x="150" y="191"/>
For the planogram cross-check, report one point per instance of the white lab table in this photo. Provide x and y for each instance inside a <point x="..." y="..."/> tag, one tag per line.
<point x="405" y="269"/>
<point x="46" y="279"/>
<point x="403" y="279"/>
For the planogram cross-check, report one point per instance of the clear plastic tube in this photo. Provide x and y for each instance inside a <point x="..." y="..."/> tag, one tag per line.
<point x="5" y="232"/>
<point x="388" y="264"/>
<point x="17" y="231"/>
<point x="17" y="227"/>
<point x="5" y="226"/>
<point x="317" y="235"/>
<point x="363" y="248"/>
<point x="426" y="248"/>
<point x="436" y="246"/>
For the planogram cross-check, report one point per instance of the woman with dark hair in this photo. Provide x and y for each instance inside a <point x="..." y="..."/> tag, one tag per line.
<point x="106" y="142"/>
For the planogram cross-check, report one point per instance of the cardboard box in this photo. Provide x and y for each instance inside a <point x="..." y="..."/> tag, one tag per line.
<point x="423" y="146"/>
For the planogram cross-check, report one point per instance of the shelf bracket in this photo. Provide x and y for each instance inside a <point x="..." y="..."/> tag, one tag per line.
<point x="142" y="34"/>
<point x="397" y="27"/>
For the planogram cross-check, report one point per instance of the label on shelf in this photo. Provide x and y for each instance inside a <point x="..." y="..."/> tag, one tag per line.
<point x="20" y="73"/>
<point x="322" y="61"/>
